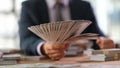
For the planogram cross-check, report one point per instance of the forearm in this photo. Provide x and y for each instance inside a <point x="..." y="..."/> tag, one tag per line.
<point x="29" y="45"/>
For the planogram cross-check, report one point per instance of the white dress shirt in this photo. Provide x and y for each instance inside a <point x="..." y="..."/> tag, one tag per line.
<point x="52" y="16"/>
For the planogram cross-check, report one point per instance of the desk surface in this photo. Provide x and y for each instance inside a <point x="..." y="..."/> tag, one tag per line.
<point x="76" y="62"/>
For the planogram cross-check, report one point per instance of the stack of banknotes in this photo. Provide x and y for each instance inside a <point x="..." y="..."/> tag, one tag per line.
<point x="103" y="55"/>
<point x="9" y="59"/>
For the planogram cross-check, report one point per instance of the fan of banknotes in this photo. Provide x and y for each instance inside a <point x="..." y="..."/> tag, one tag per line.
<point x="62" y="30"/>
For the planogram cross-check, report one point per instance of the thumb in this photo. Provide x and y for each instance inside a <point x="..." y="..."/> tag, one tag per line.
<point x="99" y="40"/>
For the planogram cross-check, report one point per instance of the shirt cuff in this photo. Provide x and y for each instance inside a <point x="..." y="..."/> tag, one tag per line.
<point x="39" y="48"/>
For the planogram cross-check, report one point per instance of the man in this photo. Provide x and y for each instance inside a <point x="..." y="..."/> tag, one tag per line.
<point x="36" y="12"/>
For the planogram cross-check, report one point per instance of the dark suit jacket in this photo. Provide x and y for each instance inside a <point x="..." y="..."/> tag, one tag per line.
<point x="35" y="12"/>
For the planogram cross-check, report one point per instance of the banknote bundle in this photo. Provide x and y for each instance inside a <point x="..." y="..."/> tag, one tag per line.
<point x="9" y="59"/>
<point x="103" y="55"/>
<point x="103" y="51"/>
<point x="63" y="31"/>
<point x="14" y="56"/>
<point x="12" y="59"/>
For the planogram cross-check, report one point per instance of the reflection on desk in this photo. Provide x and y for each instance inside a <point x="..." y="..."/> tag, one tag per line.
<point x="80" y="61"/>
<point x="71" y="62"/>
<point x="56" y="65"/>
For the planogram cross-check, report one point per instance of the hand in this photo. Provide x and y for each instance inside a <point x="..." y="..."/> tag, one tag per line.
<point x="105" y="43"/>
<point x="55" y="51"/>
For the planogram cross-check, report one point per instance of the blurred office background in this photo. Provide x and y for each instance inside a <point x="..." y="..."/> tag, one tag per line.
<point x="107" y="13"/>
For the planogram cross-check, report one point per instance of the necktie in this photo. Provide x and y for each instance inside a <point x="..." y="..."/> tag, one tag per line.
<point x="58" y="7"/>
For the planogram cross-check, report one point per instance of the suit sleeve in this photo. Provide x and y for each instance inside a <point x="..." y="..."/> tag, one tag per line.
<point x="28" y="40"/>
<point x="93" y="28"/>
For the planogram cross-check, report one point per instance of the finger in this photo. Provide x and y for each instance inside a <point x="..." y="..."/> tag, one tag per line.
<point x="99" y="40"/>
<point x="54" y="51"/>
<point x="58" y="46"/>
<point x="61" y="46"/>
<point x="55" y="59"/>
<point x="101" y="46"/>
<point x="56" y="56"/>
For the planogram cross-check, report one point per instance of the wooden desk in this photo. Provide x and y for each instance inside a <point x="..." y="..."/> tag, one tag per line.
<point x="73" y="62"/>
<point x="76" y="62"/>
